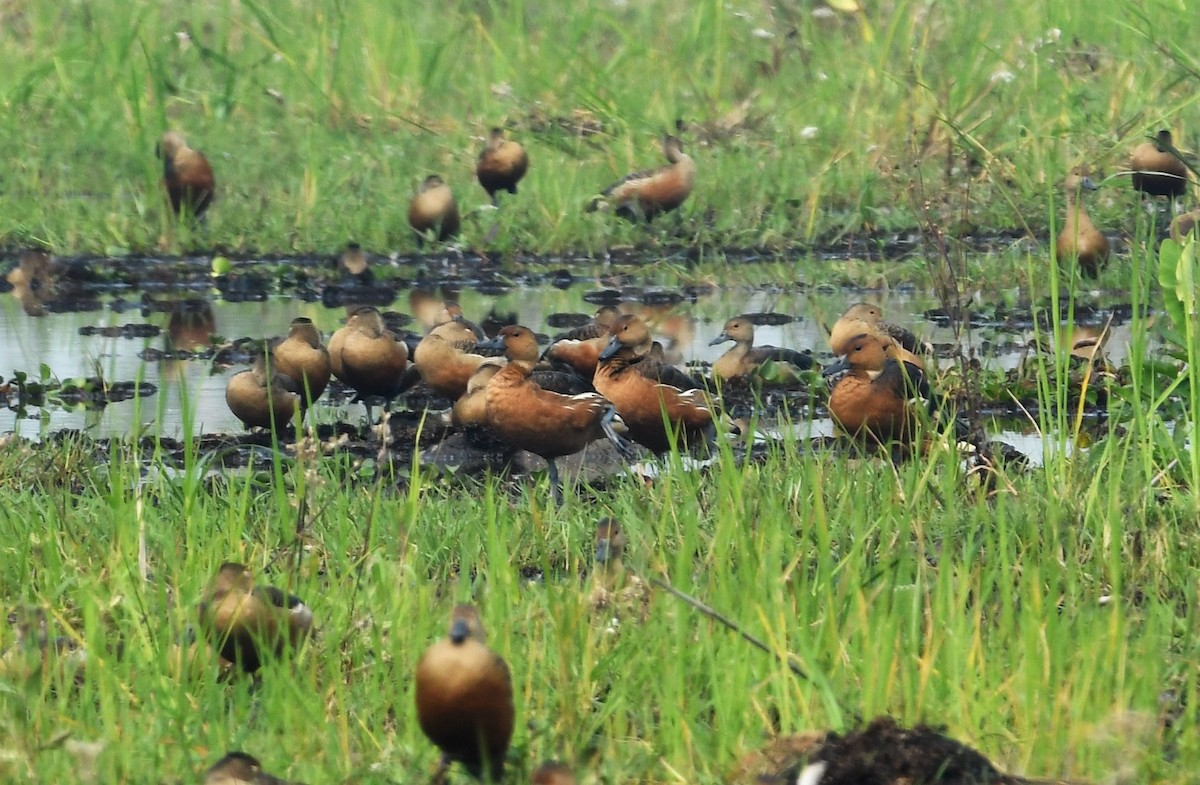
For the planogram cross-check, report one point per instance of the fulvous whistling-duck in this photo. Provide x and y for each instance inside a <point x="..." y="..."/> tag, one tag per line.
<point x="238" y="768"/>
<point x="353" y="261"/>
<point x="643" y="195"/>
<point x="434" y="209"/>
<point x="365" y="355"/>
<point x="850" y="323"/>
<point x="1184" y="224"/>
<point x="187" y="175"/>
<point x="501" y="165"/>
<point x="873" y="399"/>
<point x="303" y="359"/>
<point x="580" y="348"/>
<point x="1079" y="238"/>
<point x="553" y="773"/>
<point x="447" y="357"/>
<point x="464" y="698"/>
<point x="744" y="359"/>
<point x="248" y="624"/>
<point x="261" y="399"/>
<point x="1156" y="169"/>
<point x="631" y="381"/>
<point x="545" y="423"/>
<point x="471" y="407"/>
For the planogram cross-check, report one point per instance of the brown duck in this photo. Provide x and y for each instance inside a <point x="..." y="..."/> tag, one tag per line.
<point x="187" y="176"/>
<point x="464" y="698"/>
<point x="872" y="400"/>
<point x="303" y="359"/>
<point x="1156" y="170"/>
<point x="250" y="624"/>
<point x="365" y="355"/>
<point x="501" y="165"/>
<point x="546" y="423"/>
<point x="1079" y="238"/>
<point x="238" y="768"/>
<point x="433" y="210"/>
<point x="643" y="195"/>
<point x="447" y="357"/>
<point x="744" y="358"/>
<point x="262" y="398"/>
<point x="868" y="317"/>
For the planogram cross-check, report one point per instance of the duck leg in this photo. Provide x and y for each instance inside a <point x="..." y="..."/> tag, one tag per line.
<point x="555" y="482"/>
<point x="627" y="450"/>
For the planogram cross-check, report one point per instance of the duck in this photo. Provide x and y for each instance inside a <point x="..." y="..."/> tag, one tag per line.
<point x="746" y="359"/>
<point x="366" y="355"/>
<point x="354" y="263"/>
<point x="642" y="196"/>
<point x="447" y="357"/>
<point x="501" y="165"/>
<point x="471" y="407"/>
<point x="34" y="281"/>
<point x="249" y="624"/>
<point x="262" y="397"/>
<point x="851" y="323"/>
<point x="187" y="175"/>
<point x="633" y="383"/>
<point x="1184" y="224"/>
<point x="301" y="357"/>
<point x="553" y="773"/>
<point x="580" y="348"/>
<point x="545" y="423"/>
<point x="1079" y="238"/>
<point x="239" y="768"/>
<point x="464" y="698"/>
<point x="610" y="543"/>
<point x="872" y="399"/>
<point x="1156" y="170"/>
<point x="433" y="209"/>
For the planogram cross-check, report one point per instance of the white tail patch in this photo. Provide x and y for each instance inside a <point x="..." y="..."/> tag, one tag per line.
<point x="812" y="773"/>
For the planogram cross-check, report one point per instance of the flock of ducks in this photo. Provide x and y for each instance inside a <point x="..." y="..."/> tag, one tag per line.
<point x="606" y="380"/>
<point x="433" y="211"/>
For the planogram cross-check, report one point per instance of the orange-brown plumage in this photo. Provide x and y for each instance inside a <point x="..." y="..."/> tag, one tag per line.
<point x="580" y="348"/>
<point x="433" y="209"/>
<point x="446" y="358"/>
<point x="187" y="175"/>
<point x="367" y="356"/>
<point x="633" y="383"/>
<point x="643" y="195"/>
<point x="545" y="423"/>
<point x="851" y="323"/>
<point x="1079" y="238"/>
<point x="553" y="773"/>
<point x="745" y="359"/>
<point x="248" y="624"/>
<point x="302" y="358"/>
<point x="464" y="697"/>
<point x="1156" y="171"/>
<point x="262" y="398"/>
<point x="872" y="400"/>
<point x="501" y="165"/>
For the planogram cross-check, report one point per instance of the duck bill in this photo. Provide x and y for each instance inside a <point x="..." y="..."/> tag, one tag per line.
<point x="841" y="366"/>
<point x="722" y="338"/>
<point x="491" y="345"/>
<point x="614" y="346"/>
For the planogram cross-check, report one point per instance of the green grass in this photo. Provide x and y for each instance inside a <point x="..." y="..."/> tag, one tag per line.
<point x="322" y="118"/>
<point x="1052" y="624"/>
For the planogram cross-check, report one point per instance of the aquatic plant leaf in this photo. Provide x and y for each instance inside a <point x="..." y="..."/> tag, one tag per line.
<point x="1173" y="261"/>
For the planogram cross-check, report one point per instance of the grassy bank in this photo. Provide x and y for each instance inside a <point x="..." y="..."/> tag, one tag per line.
<point x="322" y="118"/>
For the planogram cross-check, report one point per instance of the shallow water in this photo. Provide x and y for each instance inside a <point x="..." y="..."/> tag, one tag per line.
<point x="190" y="393"/>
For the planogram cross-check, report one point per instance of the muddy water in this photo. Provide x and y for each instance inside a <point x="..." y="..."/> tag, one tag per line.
<point x="190" y="392"/>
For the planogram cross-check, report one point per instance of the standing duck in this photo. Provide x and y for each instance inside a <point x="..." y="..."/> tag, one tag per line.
<point x="501" y="165"/>
<point x="262" y="398"/>
<point x="1157" y="171"/>
<point x="643" y="195"/>
<point x="872" y="400"/>
<point x="465" y="699"/>
<point x="1079" y="238"/>
<point x="248" y="624"/>
<point x="365" y="355"/>
<point x="187" y="176"/>
<point x="658" y="415"/>
<point x="546" y="423"/>
<point x="433" y="209"/>
<point x="303" y="359"/>
<point x="744" y="358"/>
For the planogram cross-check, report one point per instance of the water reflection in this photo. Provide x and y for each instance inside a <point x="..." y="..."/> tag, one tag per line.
<point x="191" y="391"/>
